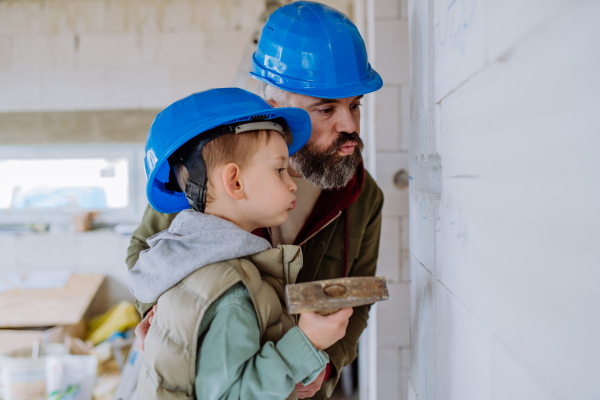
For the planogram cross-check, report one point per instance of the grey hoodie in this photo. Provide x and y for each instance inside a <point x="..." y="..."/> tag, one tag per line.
<point x="193" y="241"/>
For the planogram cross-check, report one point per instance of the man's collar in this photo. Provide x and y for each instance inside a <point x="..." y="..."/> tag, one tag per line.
<point x="331" y="203"/>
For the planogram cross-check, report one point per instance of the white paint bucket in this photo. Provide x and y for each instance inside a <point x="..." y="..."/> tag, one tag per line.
<point x="24" y="378"/>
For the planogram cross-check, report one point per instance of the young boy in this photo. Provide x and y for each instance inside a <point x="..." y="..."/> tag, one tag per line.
<point x="220" y="330"/>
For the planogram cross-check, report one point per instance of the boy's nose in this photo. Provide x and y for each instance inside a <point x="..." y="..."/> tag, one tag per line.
<point x="292" y="185"/>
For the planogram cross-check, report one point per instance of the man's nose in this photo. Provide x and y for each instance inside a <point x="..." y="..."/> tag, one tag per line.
<point x="346" y="122"/>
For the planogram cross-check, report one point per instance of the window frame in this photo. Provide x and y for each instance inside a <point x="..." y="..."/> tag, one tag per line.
<point x="133" y="152"/>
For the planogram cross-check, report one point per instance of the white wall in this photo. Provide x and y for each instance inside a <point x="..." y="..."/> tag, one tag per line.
<point x="504" y="216"/>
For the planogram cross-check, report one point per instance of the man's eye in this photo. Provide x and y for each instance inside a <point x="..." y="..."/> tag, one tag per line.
<point x="355" y="106"/>
<point x="325" y="110"/>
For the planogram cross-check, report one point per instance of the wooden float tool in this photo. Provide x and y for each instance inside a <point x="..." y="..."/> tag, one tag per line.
<point x="328" y="296"/>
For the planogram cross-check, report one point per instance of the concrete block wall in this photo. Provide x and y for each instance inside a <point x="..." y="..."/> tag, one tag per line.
<point x="104" y="54"/>
<point x="504" y="194"/>
<point x="392" y="119"/>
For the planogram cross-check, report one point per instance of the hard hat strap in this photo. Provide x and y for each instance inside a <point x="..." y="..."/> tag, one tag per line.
<point x="197" y="184"/>
<point x="196" y="194"/>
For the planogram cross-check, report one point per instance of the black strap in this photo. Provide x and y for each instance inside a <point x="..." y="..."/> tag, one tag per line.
<point x="190" y="155"/>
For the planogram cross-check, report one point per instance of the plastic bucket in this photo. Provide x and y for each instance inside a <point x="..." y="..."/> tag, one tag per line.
<point x="24" y="378"/>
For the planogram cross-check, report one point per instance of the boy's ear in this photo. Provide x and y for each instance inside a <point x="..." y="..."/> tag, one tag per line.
<point x="232" y="181"/>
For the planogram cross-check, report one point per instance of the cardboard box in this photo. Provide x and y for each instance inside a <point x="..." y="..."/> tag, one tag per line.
<point x="33" y="308"/>
<point x="47" y="314"/>
<point x="15" y="339"/>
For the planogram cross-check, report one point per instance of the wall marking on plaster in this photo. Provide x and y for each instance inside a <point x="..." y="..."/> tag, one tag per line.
<point x="454" y="216"/>
<point x="462" y="176"/>
<point x="452" y="27"/>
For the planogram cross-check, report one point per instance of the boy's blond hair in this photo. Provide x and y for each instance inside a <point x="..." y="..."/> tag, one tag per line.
<point x="230" y="148"/>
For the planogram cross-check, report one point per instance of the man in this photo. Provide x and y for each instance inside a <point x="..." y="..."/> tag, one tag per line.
<point x="312" y="57"/>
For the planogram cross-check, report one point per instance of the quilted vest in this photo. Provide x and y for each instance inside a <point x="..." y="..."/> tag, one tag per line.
<point x="169" y="371"/>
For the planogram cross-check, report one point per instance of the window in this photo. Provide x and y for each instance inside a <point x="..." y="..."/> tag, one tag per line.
<point x="95" y="183"/>
<point x="40" y="184"/>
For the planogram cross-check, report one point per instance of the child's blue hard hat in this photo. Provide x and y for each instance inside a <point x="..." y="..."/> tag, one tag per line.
<point x="315" y="50"/>
<point x="212" y="113"/>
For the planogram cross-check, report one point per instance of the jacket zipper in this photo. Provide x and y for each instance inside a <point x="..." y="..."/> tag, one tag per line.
<point x="287" y="277"/>
<point x="288" y="274"/>
<point x="288" y="280"/>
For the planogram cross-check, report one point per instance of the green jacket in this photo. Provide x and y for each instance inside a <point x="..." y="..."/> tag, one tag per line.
<point x="248" y="367"/>
<point x="340" y="235"/>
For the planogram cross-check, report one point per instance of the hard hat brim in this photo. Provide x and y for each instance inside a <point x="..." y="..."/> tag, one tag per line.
<point x="370" y="85"/>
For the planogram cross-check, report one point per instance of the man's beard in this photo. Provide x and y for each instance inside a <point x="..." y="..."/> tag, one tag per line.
<point x="327" y="169"/>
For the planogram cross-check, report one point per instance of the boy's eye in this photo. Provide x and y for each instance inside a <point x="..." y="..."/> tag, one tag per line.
<point x="355" y="106"/>
<point x="280" y="170"/>
<point x="325" y="110"/>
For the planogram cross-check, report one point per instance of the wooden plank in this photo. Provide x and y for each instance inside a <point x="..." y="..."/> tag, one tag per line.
<point x="48" y="307"/>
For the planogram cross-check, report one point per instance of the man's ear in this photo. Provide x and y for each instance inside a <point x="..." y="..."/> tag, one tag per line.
<point x="232" y="181"/>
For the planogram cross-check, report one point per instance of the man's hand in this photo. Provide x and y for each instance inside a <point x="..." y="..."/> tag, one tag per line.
<point x="311" y="388"/>
<point x="142" y="329"/>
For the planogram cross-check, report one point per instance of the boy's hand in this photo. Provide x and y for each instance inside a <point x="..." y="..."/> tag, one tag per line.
<point x="142" y="329"/>
<point x="324" y="331"/>
<point x="312" y="388"/>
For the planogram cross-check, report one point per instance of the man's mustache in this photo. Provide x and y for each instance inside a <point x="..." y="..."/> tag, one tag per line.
<point x="345" y="137"/>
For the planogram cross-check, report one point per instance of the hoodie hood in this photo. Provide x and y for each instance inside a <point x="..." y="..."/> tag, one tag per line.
<point x="193" y="241"/>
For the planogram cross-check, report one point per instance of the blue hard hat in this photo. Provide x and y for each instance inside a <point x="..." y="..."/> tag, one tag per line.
<point x="188" y="118"/>
<point x="312" y="49"/>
